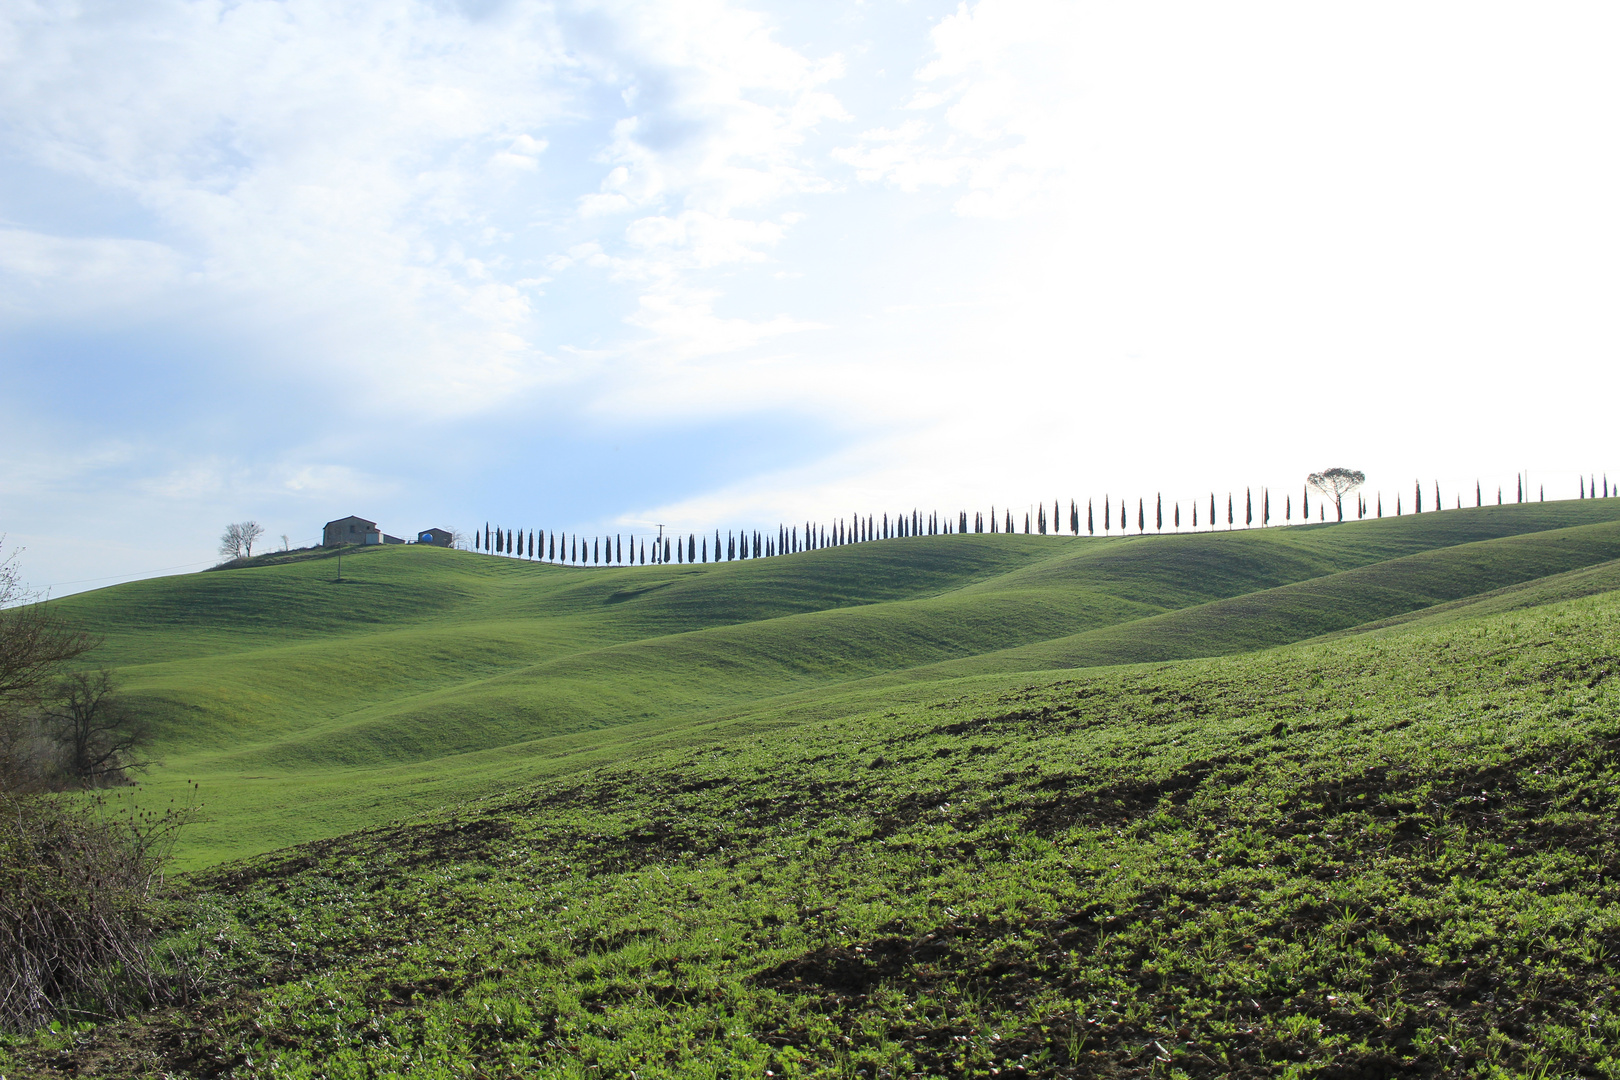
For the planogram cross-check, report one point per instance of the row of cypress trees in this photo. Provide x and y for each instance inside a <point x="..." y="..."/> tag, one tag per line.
<point x="575" y="549"/>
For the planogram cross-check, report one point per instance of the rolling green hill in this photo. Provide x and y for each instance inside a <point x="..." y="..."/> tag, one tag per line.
<point x="1390" y="851"/>
<point x="306" y="707"/>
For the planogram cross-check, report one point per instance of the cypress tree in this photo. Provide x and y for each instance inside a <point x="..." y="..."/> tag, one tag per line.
<point x="1265" y="507"/>
<point x="1248" y="507"/>
<point x="1380" y="504"/>
<point x="551" y="548"/>
<point x="596" y="550"/>
<point x="1091" y="520"/>
<point x="486" y="536"/>
<point x="1026" y="522"/>
<point x="1212" y="511"/>
<point x="1288" y="508"/>
<point x="1479" y="496"/>
<point x="1195" y="514"/>
<point x="1230" y="518"/>
<point x="1521" y="488"/>
<point x="1582" y="481"/>
<point x="1056" y="528"/>
<point x="1437" y="503"/>
<point x="691" y="547"/>
<point x="1009" y="522"/>
<point x="1141" y="516"/>
<point x="666" y="549"/>
<point x="1498" y="494"/>
<point x="1108" y="514"/>
<point x="1158" y="512"/>
<point x="643" y="551"/>
<point x="1305" y="505"/>
<point x="705" y="549"/>
<point x="1397" y="504"/>
<point x="1178" y="517"/>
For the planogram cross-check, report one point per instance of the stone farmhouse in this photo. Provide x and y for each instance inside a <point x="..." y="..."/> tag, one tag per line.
<point x="358" y="530"/>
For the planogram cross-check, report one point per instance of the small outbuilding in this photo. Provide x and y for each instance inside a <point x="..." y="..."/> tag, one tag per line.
<point x="436" y="537"/>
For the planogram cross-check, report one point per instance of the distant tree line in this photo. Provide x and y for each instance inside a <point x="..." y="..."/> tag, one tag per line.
<point x="1333" y="487"/>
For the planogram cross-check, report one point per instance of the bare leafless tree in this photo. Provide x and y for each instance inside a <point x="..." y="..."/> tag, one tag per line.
<point x="230" y="541"/>
<point x="1336" y="484"/>
<point x="34" y="644"/>
<point x="237" y="541"/>
<point x="99" y="734"/>
<point x="34" y="641"/>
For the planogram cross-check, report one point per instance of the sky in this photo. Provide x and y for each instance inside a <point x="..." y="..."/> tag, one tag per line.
<point x="597" y="265"/>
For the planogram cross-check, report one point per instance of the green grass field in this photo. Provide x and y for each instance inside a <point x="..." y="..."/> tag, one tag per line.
<point x="306" y="707"/>
<point x="1345" y="805"/>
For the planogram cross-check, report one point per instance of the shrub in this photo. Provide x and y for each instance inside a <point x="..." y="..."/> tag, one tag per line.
<point x="80" y="897"/>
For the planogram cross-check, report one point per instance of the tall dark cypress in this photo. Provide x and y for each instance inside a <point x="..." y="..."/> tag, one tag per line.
<point x="1141" y="516"/>
<point x="1265" y="507"/>
<point x="1212" y="511"/>
<point x="1108" y="513"/>
<point x="1479" y="495"/>
<point x="1195" y="515"/>
<point x="1417" y="498"/>
<point x="1288" y="508"/>
<point x="1178" y="517"/>
<point x="1305" y="506"/>
<point x="1158" y="512"/>
<point x="1248" y="507"/>
<point x="1380" y="504"/>
<point x="1230" y="519"/>
<point x="705" y="549"/>
<point x="691" y="547"/>
<point x="1437" y="503"/>
<point x="717" y="545"/>
<point x="666" y="549"/>
<point x="1521" y="487"/>
<point x="1091" y="520"/>
<point x="1582" y="481"/>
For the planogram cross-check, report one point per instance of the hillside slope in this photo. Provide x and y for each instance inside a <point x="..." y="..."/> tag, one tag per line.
<point x="1394" y="854"/>
<point x="305" y="706"/>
